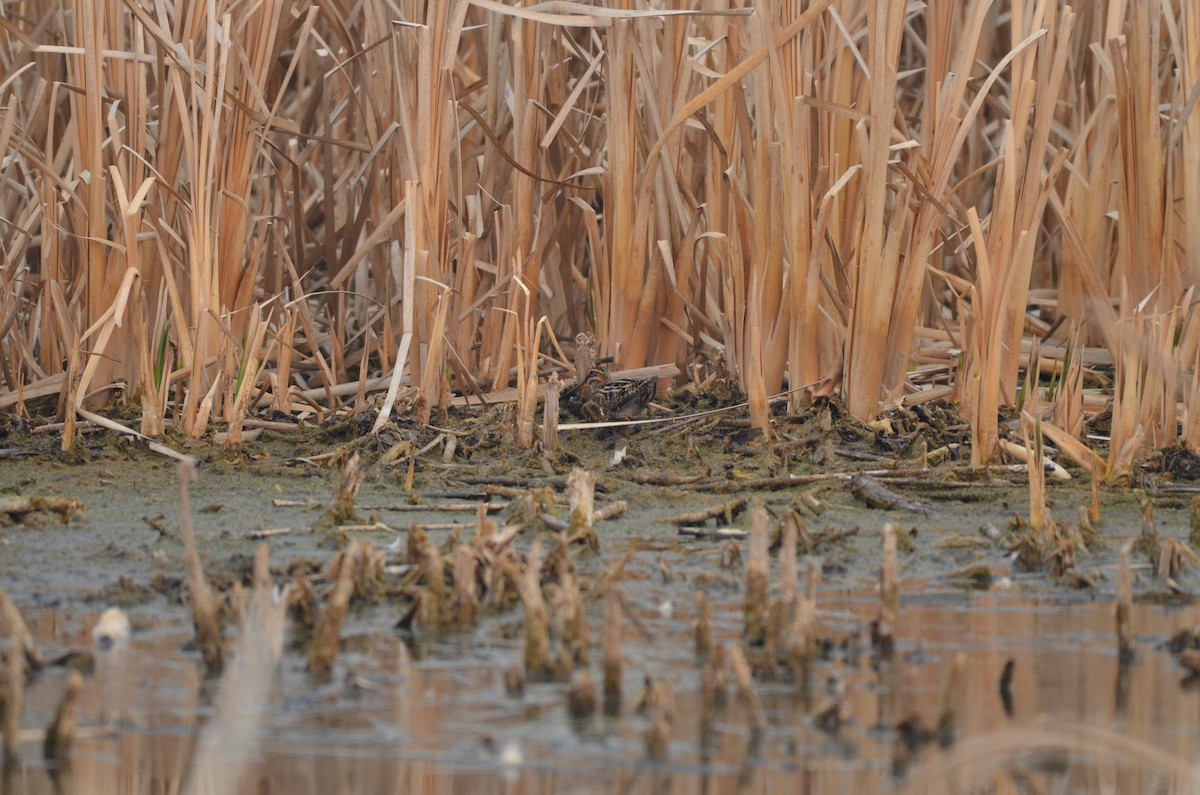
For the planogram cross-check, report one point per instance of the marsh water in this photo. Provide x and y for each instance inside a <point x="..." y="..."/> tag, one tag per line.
<point x="429" y="712"/>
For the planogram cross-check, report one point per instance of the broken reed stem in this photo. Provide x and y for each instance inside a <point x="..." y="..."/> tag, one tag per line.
<point x="889" y="599"/>
<point x="204" y="606"/>
<point x="537" y="617"/>
<point x="432" y="609"/>
<point x="581" y="496"/>
<point x="662" y="719"/>
<point x="746" y="690"/>
<point x="1126" y="647"/>
<point x="466" y="589"/>
<point x="571" y="619"/>
<point x="61" y="731"/>
<point x="756" y="610"/>
<point x="787" y="558"/>
<point x="322" y="652"/>
<point x="345" y="495"/>
<point x="612" y="656"/>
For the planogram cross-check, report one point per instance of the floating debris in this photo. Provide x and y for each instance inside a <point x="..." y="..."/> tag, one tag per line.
<point x="877" y="495"/>
<point x="726" y="512"/>
<point x="112" y="629"/>
<point x="23" y="510"/>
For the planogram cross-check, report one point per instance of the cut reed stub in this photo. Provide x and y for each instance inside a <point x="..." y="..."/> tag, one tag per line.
<point x="60" y="734"/>
<point x="581" y="696"/>
<point x="1147" y="541"/>
<point x="612" y="660"/>
<point x="581" y="498"/>
<point x="702" y="632"/>
<point x="1126" y="646"/>
<point x="323" y="650"/>
<point x="514" y="681"/>
<point x="883" y="629"/>
<point x="342" y="506"/>
<point x="538" y="662"/>
<point x="572" y="620"/>
<point x="951" y="690"/>
<point x="756" y="608"/>
<point x="747" y="692"/>
<point x="661" y="710"/>
<point x="204" y="607"/>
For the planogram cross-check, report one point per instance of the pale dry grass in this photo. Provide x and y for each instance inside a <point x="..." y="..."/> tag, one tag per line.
<point x="217" y="209"/>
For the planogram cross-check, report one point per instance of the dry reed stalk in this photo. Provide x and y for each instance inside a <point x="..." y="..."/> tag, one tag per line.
<point x="756" y="607"/>
<point x="538" y="662"/>
<point x="884" y="631"/>
<point x="1039" y="514"/>
<point x="612" y="658"/>
<point x="249" y="371"/>
<point x="550" y="416"/>
<point x="794" y="196"/>
<point x="204" y="605"/>
<point x="322" y="651"/>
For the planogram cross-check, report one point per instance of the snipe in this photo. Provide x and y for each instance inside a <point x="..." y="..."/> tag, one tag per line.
<point x="598" y="398"/>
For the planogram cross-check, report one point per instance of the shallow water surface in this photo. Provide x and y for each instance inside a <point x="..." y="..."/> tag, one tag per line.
<point x="441" y="722"/>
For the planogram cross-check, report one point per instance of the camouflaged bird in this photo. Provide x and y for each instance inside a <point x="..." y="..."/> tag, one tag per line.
<point x="598" y="398"/>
